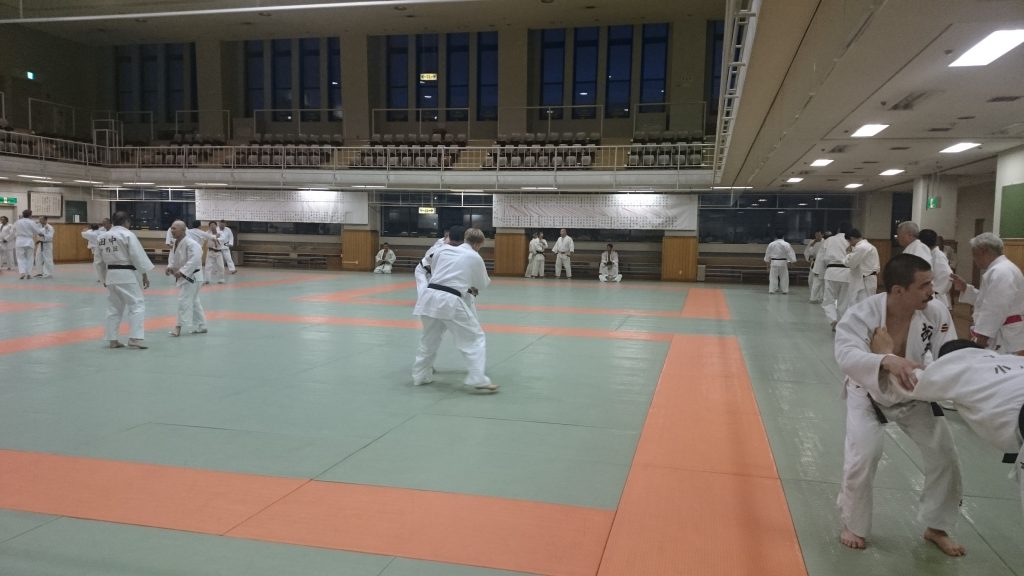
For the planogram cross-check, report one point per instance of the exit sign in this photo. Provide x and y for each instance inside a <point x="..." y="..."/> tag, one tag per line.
<point x="934" y="202"/>
<point x="8" y="200"/>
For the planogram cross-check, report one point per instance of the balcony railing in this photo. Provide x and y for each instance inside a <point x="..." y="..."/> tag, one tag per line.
<point x="664" y="156"/>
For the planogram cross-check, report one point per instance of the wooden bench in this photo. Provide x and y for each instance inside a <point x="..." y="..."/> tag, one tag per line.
<point x="744" y="269"/>
<point x="287" y="260"/>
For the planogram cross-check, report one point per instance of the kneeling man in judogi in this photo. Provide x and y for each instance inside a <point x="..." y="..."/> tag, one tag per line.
<point x="609" y="269"/>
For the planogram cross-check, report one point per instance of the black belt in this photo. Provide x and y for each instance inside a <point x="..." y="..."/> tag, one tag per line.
<point x="936" y="411"/>
<point x="120" y="267"/>
<point x="445" y="289"/>
<point x="872" y="274"/>
<point x="1010" y="457"/>
<point x="836" y="266"/>
<point x="780" y="258"/>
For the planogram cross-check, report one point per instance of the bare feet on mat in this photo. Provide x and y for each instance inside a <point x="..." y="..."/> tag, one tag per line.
<point x="945" y="542"/>
<point x="116" y="344"/>
<point x="199" y="331"/>
<point x="176" y="332"/>
<point x="851" y="540"/>
<point x="137" y="344"/>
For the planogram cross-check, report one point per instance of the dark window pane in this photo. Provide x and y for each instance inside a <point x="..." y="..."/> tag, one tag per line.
<point x="457" y="75"/>
<point x="552" y="71"/>
<point x="174" y="54"/>
<point x="334" y="77"/>
<point x="253" y="76"/>
<point x="620" y="71"/>
<point x="398" y="80"/>
<point x="585" y="71"/>
<point x="281" y="79"/>
<point x="653" y="68"/>
<point x="487" y="76"/>
<point x="126" y="101"/>
<point x="150" y="75"/>
<point x="426" y="63"/>
<point x="309" y="77"/>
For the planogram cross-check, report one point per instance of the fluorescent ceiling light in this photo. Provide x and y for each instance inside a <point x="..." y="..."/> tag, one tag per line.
<point x="34" y="177"/>
<point x="731" y="187"/>
<point x="794" y="180"/>
<point x="538" y="188"/>
<point x="960" y="147"/>
<point x="802" y="204"/>
<point x="466" y="190"/>
<point x="316" y="189"/>
<point x="782" y="211"/>
<point x="869" y="130"/>
<point x="891" y="172"/>
<point x="822" y="162"/>
<point x="210" y="184"/>
<point x="762" y="200"/>
<point x="992" y="47"/>
<point x="171" y="187"/>
<point x="367" y="186"/>
<point x="138" y="183"/>
<point x="643" y="191"/>
<point x="818" y="199"/>
<point x="3" y="177"/>
<point x="88" y="182"/>
<point x="854" y="185"/>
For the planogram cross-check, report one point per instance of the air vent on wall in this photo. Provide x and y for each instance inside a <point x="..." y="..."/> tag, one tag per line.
<point x="838" y="149"/>
<point x="911" y="100"/>
<point x="1004" y="99"/>
<point x="870" y="162"/>
<point x="947" y="129"/>
<point x="900" y="148"/>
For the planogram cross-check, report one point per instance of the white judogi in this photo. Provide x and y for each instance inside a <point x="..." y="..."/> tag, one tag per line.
<point x="837" y="277"/>
<point x="865" y="433"/>
<point x="8" y="260"/>
<point x="917" y="248"/>
<point x="423" y="269"/>
<point x="998" y="306"/>
<point x="169" y="238"/>
<point x="187" y="257"/>
<point x="609" y="268"/>
<point x="778" y="256"/>
<point x="384" y="261"/>
<point x="817" y="280"/>
<point x="988" y="390"/>
<point x="227" y="242"/>
<point x="91" y="237"/>
<point x="941" y="276"/>
<point x="564" y="248"/>
<point x="457" y="268"/>
<point x="25" y="231"/>
<point x="535" y="258"/>
<point x="215" y="263"/>
<point x="119" y="251"/>
<point x="863" y="267"/>
<point x="44" y="262"/>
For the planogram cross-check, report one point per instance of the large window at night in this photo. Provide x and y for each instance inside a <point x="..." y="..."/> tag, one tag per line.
<point x="584" y="76"/>
<point x="753" y="218"/>
<point x="487" y="76"/>
<point x="398" y="78"/>
<point x="654" y="66"/>
<point x="552" y="71"/>
<point x="457" y="75"/>
<point x="281" y="79"/>
<point x="618" y="83"/>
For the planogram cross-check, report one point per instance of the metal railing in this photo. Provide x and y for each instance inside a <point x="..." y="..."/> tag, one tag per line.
<point x="53" y="118"/>
<point x="265" y="119"/>
<point x="677" y="156"/>
<point x="740" y="28"/>
<point x="421" y="121"/>
<point x="190" y="124"/>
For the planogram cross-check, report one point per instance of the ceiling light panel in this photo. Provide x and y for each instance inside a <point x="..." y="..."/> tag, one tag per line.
<point x="794" y="180"/>
<point x="962" y="146"/>
<point x="990" y="49"/>
<point x="868" y="130"/>
<point x="853" y="185"/>
<point x="822" y="162"/>
<point x="891" y="172"/>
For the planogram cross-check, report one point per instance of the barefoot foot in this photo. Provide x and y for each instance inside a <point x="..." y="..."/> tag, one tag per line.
<point x="945" y="543"/>
<point x="851" y="540"/>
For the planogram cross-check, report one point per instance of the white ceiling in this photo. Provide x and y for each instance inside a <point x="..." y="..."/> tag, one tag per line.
<point x="820" y="70"/>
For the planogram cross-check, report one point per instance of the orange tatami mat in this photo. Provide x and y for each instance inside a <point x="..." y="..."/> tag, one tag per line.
<point x="703" y="496"/>
<point x="707" y="303"/>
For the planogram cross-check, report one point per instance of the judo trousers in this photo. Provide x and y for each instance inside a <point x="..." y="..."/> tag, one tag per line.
<point x="26" y="258"/>
<point x="778" y="277"/>
<point x="190" y="309"/>
<point x="560" y="261"/>
<point x="939" y="503"/>
<point x="817" y="287"/>
<point x="469" y="339"/>
<point x="125" y="301"/>
<point x="834" y="301"/>
<point x="535" y="268"/>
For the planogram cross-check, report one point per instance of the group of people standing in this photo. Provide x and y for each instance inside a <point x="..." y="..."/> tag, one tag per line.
<point x="564" y="248"/>
<point x="219" y="239"/>
<point x="900" y="356"/>
<point x="28" y="245"/>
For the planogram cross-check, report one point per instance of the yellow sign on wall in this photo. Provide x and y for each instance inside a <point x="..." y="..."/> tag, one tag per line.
<point x="428" y="76"/>
<point x="427" y="210"/>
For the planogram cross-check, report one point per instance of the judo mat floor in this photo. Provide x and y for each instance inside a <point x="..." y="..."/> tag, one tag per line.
<point x="641" y="429"/>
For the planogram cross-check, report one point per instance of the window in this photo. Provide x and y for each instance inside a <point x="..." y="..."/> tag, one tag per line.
<point x="175" y="80"/>
<point x="426" y="63"/>
<point x="754" y="218"/>
<point x="281" y="80"/>
<point x="125" y="83"/>
<point x="150" y="77"/>
<point x="309" y="78"/>
<point x="334" y="77"/>
<point x="552" y="72"/>
<point x="620" y="71"/>
<point x="156" y="215"/>
<point x="457" y="76"/>
<point x="194" y="79"/>
<point x="398" y="78"/>
<point x="584" y="79"/>
<point x="307" y="228"/>
<point x="253" y="76"/>
<point x="487" y="76"/>
<point x="653" y="66"/>
<point x="713" y="71"/>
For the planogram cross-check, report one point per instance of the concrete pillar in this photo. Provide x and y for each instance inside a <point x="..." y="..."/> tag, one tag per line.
<point x="875" y="214"/>
<point x="209" y="75"/>
<point x="1009" y="194"/>
<point x="355" y="87"/>
<point x="685" y="85"/>
<point x="934" y="204"/>
<point x="512" y="79"/>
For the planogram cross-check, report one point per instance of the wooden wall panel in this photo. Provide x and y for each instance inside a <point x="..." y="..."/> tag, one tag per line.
<point x="884" y="247"/>
<point x="510" y="254"/>
<point x="679" y="258"/>
<point x="1013" y="248"/>
<point x="68" y="244"/>
<point x="358" y="248"/>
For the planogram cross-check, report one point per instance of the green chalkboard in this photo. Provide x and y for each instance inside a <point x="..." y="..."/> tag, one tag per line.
<point x="1011" y="217"/>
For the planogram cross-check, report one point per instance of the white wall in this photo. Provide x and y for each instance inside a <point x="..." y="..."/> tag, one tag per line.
<point x="875" y="213"/>
<point x="975" y="202"/>
<point x="944" y="218"/>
